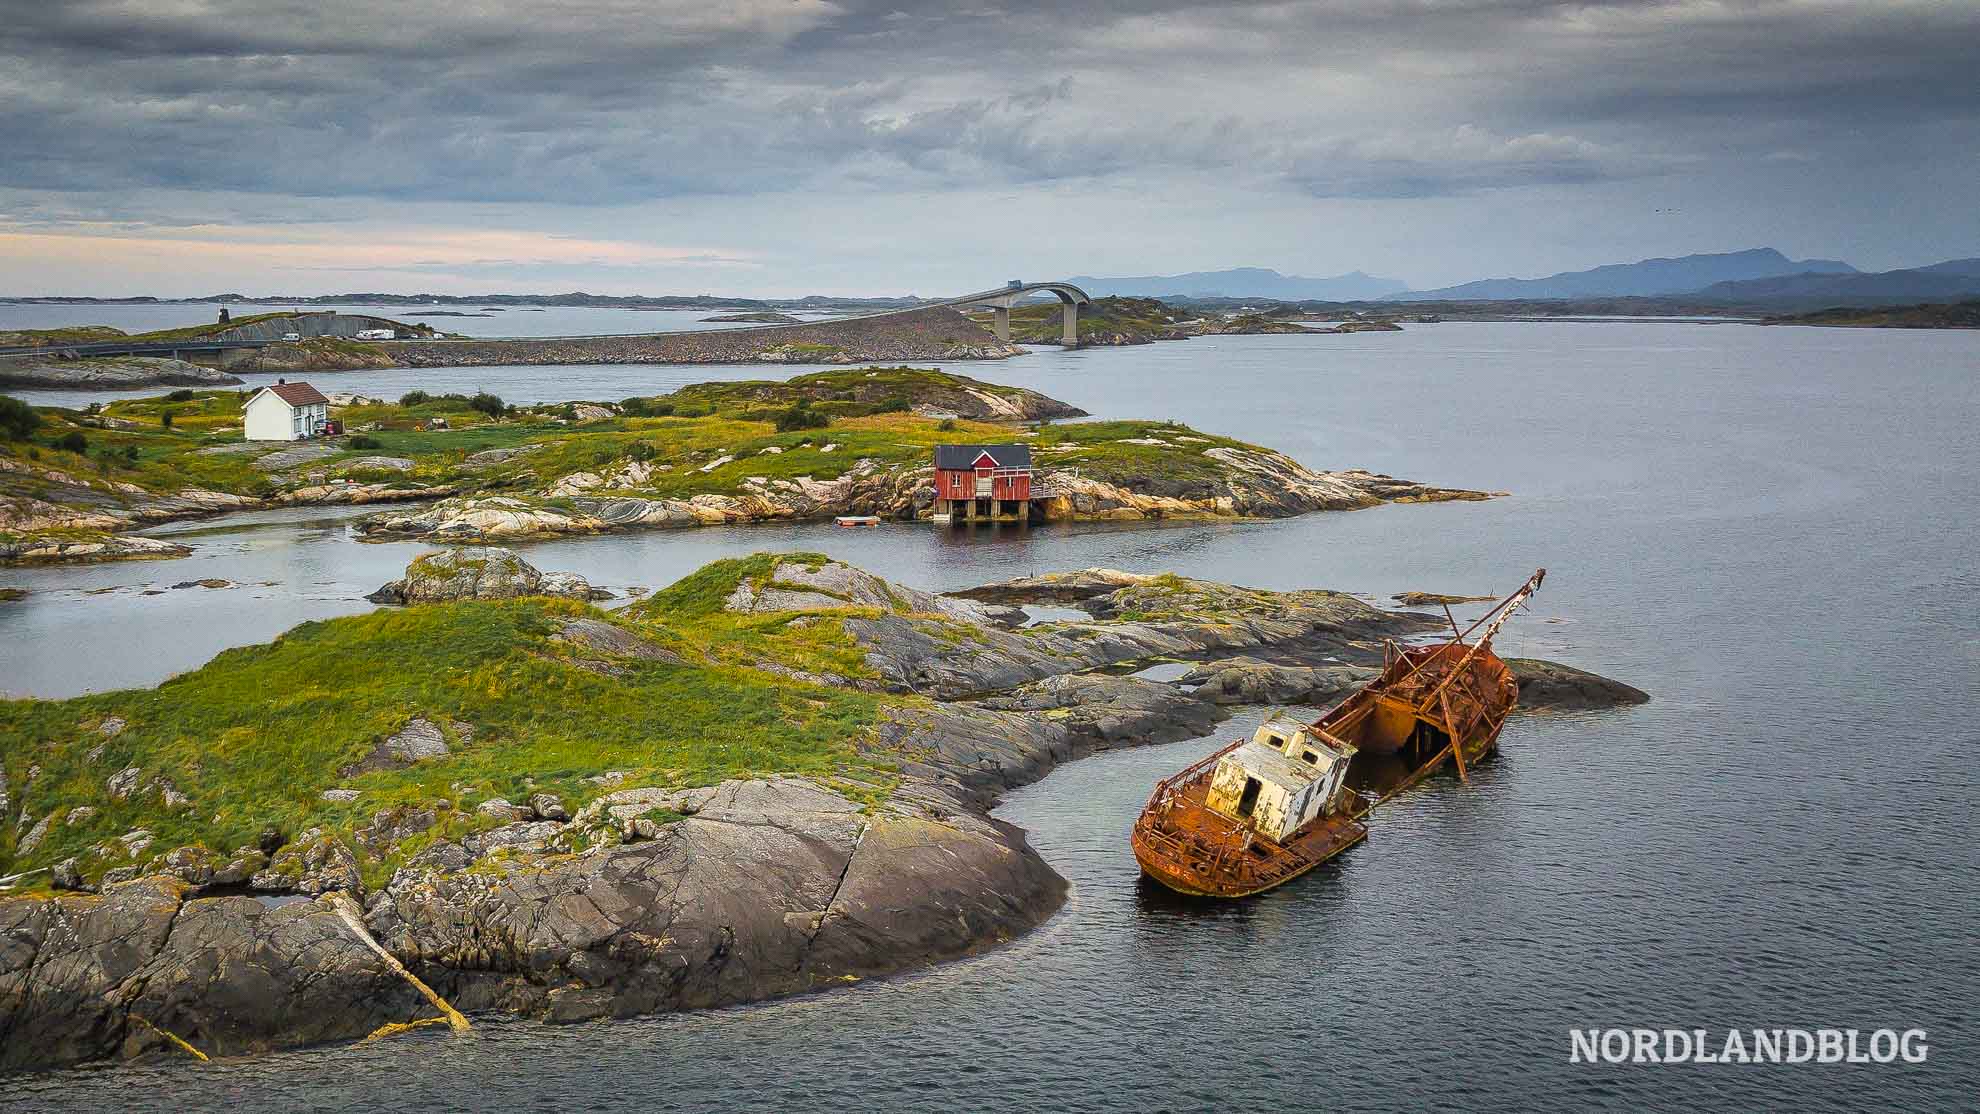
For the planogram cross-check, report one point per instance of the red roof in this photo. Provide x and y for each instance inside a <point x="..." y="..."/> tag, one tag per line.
<point x="297" y="394"/>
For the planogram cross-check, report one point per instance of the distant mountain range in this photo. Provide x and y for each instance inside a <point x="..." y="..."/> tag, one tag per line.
<point x="1754" y="277"/>
<point x="1245" y="282"/>
<point x="1648" y="278"/>
<point x="1758" y="278"/>
<point x="1953" y="279"/>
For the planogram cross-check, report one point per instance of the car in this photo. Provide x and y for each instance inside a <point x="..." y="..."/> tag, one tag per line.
<point x="291" y="336"/>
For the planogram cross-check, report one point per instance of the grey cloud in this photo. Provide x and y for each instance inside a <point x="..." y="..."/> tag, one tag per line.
<point x="614" y="101"/>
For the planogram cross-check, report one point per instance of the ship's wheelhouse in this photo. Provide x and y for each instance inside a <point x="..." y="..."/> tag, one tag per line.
<point x="1281" y="779"/>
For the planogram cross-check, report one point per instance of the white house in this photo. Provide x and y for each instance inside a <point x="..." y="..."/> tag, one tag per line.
<point x="285" y="412"/>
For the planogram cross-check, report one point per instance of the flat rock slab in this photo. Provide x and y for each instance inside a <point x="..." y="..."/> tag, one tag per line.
<point x="601" y="637"/>
<point x="297" y="454"/>
<point x="420" y="739"/>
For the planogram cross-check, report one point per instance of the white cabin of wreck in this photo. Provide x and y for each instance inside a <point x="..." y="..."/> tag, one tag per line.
<point x="1283" y="778"/>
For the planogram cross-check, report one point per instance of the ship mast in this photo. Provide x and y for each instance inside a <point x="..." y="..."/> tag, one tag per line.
<point x="1500" y="612"/>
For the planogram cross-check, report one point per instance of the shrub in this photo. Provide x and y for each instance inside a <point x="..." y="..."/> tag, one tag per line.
<point x="414" y="398"/>
<point x="183" y="394"/>
<point x="645" y="408"/>
<point x="801" y="416"/>
<point x="360" y="441"/>
<point x="639" y="450"/>
<point x="165" y="419"/>
<point x="893" y="404"/>
<point x="112" y="456"/>
<point x="488" y="404"/>
<point x="73" y="441"/>
<point x="17" y="419"/>
<point x="946" y="425"/>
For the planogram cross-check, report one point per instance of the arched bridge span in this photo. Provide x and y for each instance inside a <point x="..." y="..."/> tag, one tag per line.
<point x="1000" y="301"/>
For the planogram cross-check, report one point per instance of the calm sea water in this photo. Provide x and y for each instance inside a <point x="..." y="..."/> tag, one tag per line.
<point x="469" y="320"/>
<point x="559" y="384"/>
<point x="1769" y="529"/>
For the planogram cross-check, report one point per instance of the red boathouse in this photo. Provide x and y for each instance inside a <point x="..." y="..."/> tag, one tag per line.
<point x="982" y="482"/>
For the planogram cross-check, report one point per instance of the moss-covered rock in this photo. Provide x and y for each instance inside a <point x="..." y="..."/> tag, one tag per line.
<point x="477" y="573"/>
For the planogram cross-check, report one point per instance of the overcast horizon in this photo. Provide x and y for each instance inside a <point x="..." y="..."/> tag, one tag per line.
<point x="777" y="148"/>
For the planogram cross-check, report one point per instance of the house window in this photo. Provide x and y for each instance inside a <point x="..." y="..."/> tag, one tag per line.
<point x="1309" y="758"/>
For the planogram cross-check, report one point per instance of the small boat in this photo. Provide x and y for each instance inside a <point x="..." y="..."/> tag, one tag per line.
<point x="1265" y="810"/>
<point x="857" y="520"/>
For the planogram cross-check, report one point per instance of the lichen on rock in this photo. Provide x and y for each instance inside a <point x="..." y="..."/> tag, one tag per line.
<point x="477" y="573"/>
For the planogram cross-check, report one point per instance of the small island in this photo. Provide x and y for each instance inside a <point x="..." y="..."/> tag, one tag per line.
<point x="1116" y="320"/>
<point x="75" y="483"/>
<point x="771" y="777"/>
<point x="1104" y="322"/>
<point x="758" y="317"/>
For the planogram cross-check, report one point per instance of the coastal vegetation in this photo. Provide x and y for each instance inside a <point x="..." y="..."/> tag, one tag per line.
<point x="1932" y="315"/>
<point x="866" y="391"/>
<point x="190" y="763"/>
<point x="855" y="441"/>
<point x="83" y="474"/>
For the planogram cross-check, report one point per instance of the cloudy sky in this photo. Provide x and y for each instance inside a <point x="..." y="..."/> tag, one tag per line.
<point x="781" y="147"/>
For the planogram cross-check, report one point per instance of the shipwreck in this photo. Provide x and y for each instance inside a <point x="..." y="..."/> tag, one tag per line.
<point x="1265" y="810"/>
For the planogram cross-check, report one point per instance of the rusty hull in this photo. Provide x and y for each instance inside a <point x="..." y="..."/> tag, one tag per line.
<point x="1180" y="843"/>
<point x="1430" y="703"/>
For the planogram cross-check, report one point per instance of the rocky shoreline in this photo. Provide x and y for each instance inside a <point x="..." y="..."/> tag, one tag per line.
<point x="1253" y="484"/>
<point x="637" y="898"/>
<point x="817" y="446"/>
<point x="49" y="516"/>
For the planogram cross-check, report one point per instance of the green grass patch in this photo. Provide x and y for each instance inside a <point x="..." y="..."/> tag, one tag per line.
<point x="255" y="736"/>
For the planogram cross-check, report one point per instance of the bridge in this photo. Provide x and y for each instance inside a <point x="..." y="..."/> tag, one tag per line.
<point x="224" y="345"/>
<point x="1000" y="301"/>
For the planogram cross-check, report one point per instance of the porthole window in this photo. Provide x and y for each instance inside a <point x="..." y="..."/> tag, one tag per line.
<point x="1310" y="758"/>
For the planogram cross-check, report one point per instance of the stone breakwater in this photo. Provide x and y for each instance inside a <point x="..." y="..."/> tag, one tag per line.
<point x="937" y="333"/>
<point x="652" y="898"/>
